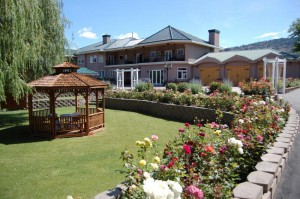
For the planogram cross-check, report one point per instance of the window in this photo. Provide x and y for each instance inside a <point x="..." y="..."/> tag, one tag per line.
<point x="110" y="60"/>
<point x="112" y="74"/>
<point x="168" y="55"/>
<point x="181" y="73"/>
<point x="100" y="59"/>
<point x="153" y="54"/>
<point x="139" y="58"/>
<point x="93" y="59"/>
<point x="101" y="74"/>
<point x="180" y="52"/>
<point x="121" y="57"/>
<point x="80" y="61"/>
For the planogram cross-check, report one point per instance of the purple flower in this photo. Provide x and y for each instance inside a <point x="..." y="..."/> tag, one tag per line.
<point x="193" y="191"/>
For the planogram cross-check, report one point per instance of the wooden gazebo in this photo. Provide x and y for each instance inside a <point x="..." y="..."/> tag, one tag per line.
<point x="46" y="123"/>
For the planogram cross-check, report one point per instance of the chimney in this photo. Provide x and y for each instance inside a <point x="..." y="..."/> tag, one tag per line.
<point x="106" y="38"/>
<point x="214" y="38"/>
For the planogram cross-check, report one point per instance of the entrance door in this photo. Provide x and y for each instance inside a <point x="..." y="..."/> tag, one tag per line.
<point x="209" y="74"/>
<point x="156" y="76"/>
<point x="238" y="74"/>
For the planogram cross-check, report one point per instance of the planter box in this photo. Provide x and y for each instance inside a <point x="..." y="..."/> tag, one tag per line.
<point x="167" y="111"/>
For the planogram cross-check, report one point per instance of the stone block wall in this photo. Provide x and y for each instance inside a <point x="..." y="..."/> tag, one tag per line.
<point x="167" y="111"/>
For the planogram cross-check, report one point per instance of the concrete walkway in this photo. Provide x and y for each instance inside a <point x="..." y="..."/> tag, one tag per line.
<point x="289" y="186"/>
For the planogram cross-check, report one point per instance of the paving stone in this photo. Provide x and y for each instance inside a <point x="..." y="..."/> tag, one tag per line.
<point x="282" y="139"/>
<point x="289" y="128"/>
<point x="111" y="194"/>
<point x="267" y="195"/>
<point x="282" y="164"/>
<point x="278" y="175"/>
<point x="268" y="167"/>
<point x="273" y="188"/>
<point x="262" y="178"/>
<point x="271" y="158"/>
<point x="292" y="132"/>
<point x="283" y="145"/>
<point x="248" y="190"/>
<point x="285" y="135"/>
<point x="276" y="150"/>
<point x="285" y="156"/>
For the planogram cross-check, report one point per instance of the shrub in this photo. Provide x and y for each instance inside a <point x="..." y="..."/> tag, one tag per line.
<point x="214" y="86"/>
<point x="172" y="86"/>
<point x="196" y="86"/>
<point x="225" y="87"/>
<point x="141" y="87"/>
<point x="182" y="86"/>
<point x="261" y="87"/>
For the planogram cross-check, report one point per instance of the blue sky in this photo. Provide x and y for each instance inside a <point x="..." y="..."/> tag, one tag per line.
<point x="240" y="21"/>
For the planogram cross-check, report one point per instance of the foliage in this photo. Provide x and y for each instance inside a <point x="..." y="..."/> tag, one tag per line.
<point x="141" y="87"/>
<point x="294" y="31"/>
<point x="32" y="40"/>
<point x="172" y="86"/>
<point x="292" y="82"/>
<point x="196" y="86"/>
<point x="182" y="86"/>
<point x="208" y="160"/>
<point x="214" y="86"/>
<point x="261" y="87"/>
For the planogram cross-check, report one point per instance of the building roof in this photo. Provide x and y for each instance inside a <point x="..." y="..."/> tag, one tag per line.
<point x="84" y="70"/>
<point x="170" y="33"/>
<point x="68" y="80"/>
<point x="221" y="57"/>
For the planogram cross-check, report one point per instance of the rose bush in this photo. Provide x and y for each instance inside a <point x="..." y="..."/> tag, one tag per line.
<point x="206" y="160"/>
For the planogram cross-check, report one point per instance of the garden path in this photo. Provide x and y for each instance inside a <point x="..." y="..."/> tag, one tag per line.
<point x="289" y="186"/>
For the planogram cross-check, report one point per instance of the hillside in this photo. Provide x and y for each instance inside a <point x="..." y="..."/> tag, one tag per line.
<point x="280" y="45"/>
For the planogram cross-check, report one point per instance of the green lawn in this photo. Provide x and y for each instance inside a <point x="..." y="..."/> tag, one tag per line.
<point x="81" y="167"/>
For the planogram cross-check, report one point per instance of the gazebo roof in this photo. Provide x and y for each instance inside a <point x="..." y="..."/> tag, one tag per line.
<point x="66" y="79"/>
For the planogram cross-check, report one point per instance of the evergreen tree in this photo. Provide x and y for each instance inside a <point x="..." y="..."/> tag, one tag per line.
<point x="295" y="33"/>
<point x="31" y="41"/>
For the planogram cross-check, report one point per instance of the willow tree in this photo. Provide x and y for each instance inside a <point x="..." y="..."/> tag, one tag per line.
<point x="31" y="41"/>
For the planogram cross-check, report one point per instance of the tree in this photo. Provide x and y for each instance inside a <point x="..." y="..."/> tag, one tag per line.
<point x="295" y="33"/>
<point x="31" y="41"/>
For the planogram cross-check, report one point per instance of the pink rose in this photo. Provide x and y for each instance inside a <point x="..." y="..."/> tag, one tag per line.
<point x="187" y="149"/>
<point x="193" y="191"/>
<point x="181" y="130"/>
<point x="154" y="137"/>
<point x="187" y="125"/>
<point x="259" y="138"/>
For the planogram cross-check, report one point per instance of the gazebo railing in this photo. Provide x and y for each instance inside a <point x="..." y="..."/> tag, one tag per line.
<point x="96" y="120"/>
<point x="82" y="110"/>
<point x="41" y="112"/>
<point x="72" y="123"/>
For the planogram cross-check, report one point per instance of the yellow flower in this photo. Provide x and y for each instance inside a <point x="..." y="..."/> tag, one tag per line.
<point x="143" y="163"/>
<point x="147" y="140"/>
<point x="217" y="132"/>
<point x="138" y="143"/>
<point x="157" y="159"/>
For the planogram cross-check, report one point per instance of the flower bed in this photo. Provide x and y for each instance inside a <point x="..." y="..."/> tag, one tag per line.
<point x="206" y="160"/>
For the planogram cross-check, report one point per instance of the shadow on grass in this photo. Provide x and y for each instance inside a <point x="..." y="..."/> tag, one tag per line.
<point x="18" y="135"/>
<point x="13" y="118"/>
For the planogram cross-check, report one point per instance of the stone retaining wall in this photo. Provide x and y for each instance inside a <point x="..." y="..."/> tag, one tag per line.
<point x="167" y="111"/>
<point x="262" y="183"/>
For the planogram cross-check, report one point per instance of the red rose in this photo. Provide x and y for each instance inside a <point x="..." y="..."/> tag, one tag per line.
<point x="187" y="149"/>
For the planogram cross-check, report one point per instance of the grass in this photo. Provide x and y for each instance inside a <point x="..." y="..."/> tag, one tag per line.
<point x="81" y="167"/>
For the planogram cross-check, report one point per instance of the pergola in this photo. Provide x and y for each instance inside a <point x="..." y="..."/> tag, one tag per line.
<point x="46" y="123"/>
<point x="276" y="71"/>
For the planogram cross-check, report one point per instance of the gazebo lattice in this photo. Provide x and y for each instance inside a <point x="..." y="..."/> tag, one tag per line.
<point x="46" y="123"/>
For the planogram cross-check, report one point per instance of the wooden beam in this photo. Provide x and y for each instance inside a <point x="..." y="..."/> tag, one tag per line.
<point x="87" y="126"/>
<point x="97" y="98"/>
<point x="52" y="112"/>
<point x="76" y="102"/>
<point x="103" y="105"/>
<point x="30" y="109"/>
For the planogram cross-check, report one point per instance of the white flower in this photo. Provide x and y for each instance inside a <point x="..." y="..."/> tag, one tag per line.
<point x="147" y="175"/>
<point x="254" y="104"/>
<point x="69" y="197"/>
<point x="158" y="189"/>
<point x="154" y="166"/>
<point x="262" y="102"/>
<point x="240" y="150"/>
<point x="176" y="188"/>
<point x="239" y="143"/>
<point x="241" y="121"/>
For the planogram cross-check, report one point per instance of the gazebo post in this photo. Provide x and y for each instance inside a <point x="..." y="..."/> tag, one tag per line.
<point x="76" y="102"/>
<point x="52" y="112"/>
<point x="30" y="107"/>
<point x="97" y="98"/>
<point x="87" y="127"/>
<point x="103" y="105"/>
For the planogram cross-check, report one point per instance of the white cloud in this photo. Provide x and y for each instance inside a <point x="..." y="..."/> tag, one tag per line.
<point x="272" y="35"/>
<point x="127" y="35"/>
<point x="87" y="33"/>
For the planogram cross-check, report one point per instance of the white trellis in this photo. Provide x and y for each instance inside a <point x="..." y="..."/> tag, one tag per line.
<point x="134" y="77"/>
<point x="276" y="71"/>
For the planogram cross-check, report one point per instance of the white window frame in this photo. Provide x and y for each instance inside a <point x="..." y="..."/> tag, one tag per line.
<point x="169" y="53"/>
<point x="101" y="73"/>
<point x="183" y="72"/>
<point x="100" y="59"/>
<point x="180" y="49"/>
<point x="80" y="61"/>
<point x="93" y="59"/>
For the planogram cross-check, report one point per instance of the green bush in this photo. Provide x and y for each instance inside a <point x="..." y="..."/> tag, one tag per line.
<point x="196" y="86"/>
<point x="172" y="86"/>
<point x="226" y="87"/>
<point x="141" y="87"/>
<point x="214" y="86"/>
<point x="182" y="86"/>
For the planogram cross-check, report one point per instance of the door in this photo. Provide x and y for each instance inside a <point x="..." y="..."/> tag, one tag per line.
<point x="156" y="77"/>
<point x="209" y="74"/>
<point x="237" y="74"/>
